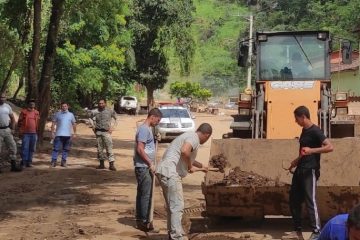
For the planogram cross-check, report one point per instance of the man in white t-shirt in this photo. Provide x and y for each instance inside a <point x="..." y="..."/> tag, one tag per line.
<point x="7" y="126"/>
<point x="177" y="162"/>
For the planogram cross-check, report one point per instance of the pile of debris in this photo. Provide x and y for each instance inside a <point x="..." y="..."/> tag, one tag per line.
<point x="249" y="179"/>
<point x="236" y="176"/>
<point x="219" y="161"/>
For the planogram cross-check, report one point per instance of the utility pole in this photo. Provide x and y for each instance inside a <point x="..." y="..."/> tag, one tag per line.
<point x="248" y="86"/>
<point x="358" y="32"/>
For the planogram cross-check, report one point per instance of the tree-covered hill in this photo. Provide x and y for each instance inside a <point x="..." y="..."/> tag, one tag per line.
<point x="218" y="26"/>
<point x="105" y="48"/>
<point x="216" y="29"/>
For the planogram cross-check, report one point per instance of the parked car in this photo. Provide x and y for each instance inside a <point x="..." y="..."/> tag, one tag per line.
<point x="126" y="104"/>
<point x="175" y="121"/>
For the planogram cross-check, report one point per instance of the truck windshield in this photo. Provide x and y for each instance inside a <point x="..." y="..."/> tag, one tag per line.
<point x="292" y="57"/>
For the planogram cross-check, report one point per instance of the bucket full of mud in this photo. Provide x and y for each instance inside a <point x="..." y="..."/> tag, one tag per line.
<point x="253" y="182"/>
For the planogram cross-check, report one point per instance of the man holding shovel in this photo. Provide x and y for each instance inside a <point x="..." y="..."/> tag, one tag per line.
<point x="303" y="187"/>
<point x="177" y="162"/>
<point x="144" y="162"/>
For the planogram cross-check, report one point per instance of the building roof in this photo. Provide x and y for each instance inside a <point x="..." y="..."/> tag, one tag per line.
<point x="338" y="66"/>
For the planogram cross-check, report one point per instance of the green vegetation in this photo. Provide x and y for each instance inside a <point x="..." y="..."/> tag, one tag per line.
<point x="189" y="90"/>
<point x="340" y="17"/>
<point x="78" y="51"/>
<point x="92" y="52"/>
<point x="157" y="25"/>
<point x="216" y="29"/>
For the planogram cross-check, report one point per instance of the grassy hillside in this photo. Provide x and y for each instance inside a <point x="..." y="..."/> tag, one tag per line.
<point x="216" y="30"/>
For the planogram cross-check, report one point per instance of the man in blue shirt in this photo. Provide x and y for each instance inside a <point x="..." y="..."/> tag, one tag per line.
<point x="144" y="162"/>
<point x="343" y="226"/>
<point x="62" y="124"/>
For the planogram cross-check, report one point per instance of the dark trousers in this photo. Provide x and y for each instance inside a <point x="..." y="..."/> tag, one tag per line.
<point x="303" y="188"/>
<point x="28" y="147"/>
<point x="59" y="141"/>
<point x="143" y="195"/>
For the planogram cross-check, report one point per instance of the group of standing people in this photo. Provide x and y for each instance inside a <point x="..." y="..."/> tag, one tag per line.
<point x="27" y="129"/>
<point x="63" y="131"/>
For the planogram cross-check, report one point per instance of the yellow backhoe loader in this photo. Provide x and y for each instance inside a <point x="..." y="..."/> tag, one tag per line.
<point x="292" y="69"/>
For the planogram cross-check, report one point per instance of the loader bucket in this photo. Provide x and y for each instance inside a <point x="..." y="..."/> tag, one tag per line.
<point x="338" y="187"/>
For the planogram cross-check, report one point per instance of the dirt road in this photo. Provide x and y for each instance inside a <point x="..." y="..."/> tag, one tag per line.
<point x="80" y="202"/>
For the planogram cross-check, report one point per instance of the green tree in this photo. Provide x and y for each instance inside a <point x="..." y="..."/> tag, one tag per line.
<point x="35" y="52"/>
<point x="48" y="64"/>
<point x="189" y="90"/>
<point x="340" y="17"/>
<point x="216" y="30"/>
<point x="14" y="30"/>
<point x="93" y="52"/>
<point x="202" y="94"/>
<point x="157" y="25"/>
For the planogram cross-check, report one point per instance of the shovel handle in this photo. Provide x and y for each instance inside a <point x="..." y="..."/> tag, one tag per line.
<point x="214" y="169"/>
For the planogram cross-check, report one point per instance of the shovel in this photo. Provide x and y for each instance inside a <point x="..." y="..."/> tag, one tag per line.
<point x="287" y="169"/>
<point x="213" y="169"/>
<point x="152" y="203"/>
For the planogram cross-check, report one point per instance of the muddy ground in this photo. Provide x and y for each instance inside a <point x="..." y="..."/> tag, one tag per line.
<point x="80" y="202"/>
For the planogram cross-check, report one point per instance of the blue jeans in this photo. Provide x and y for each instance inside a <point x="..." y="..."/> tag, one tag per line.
<point x="66" y="144"/>
<point x="143" y="195"/>
<point x="28" y="147"/>
<point x="173" y="194"/>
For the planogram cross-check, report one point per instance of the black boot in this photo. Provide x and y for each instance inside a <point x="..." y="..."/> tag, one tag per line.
<point x="15" y="168"/>
<point x="112" y="166"/>
<point x="101" y="166"/>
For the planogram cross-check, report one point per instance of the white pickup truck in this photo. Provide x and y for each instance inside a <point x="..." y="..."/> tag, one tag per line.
<point x="126" y="104"/>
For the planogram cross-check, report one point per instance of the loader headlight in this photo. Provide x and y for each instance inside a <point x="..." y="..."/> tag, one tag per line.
<point x="245" y="97"/>
<point x="244" y="111"/>
<point x="341" y="96"/>
<point x="342" y="111"/>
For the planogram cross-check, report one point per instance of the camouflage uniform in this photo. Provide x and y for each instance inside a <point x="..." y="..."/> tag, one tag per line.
<point x="7" y="137"/>
<point x="102" y="126"/>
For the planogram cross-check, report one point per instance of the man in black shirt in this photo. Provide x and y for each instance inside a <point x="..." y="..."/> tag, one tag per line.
<point x="303" y="187"/>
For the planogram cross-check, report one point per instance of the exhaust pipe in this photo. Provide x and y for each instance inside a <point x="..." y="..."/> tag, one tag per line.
<point x="325" y="101"/>
<point x="260" y="99"/>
